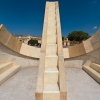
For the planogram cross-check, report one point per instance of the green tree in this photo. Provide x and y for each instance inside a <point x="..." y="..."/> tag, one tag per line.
<point x="32" y="42"/>
<point x="78" y="36"/>
<point x="62" y="38"/>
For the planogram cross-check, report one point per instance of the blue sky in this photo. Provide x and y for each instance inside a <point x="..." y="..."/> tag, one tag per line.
<point x="27" y="16"/>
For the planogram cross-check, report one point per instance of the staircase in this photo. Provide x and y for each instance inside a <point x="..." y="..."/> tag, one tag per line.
<point x="7" y="70"/>
<point x="51" y="73"/>
<point x="51" y="81"/>
<point x="93" y="70"/>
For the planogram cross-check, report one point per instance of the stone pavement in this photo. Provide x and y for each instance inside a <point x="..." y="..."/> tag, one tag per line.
<point x="22" y="86"/>
<point x="80" y="86"/>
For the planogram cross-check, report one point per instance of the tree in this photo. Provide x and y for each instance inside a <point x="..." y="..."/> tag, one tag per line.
<point x="32" y="42"/>
<point x="62" y="38"/>
<point x="78" y="36"/>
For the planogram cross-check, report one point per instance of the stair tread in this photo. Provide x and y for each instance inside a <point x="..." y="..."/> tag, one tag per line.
<point x="51" y="55"/>
<point x="5" y="64"/>
<point x="94" y="74"/>
<point x="54" y="55"/>
<point x="10" y="70"/>
<point x="51" y="69"/>
<point x="51" y="34"/>
<point x="51" y="44"/>
<point x="92" y="70"/>
<point x="51" y="88"/>
<point x="96" y="67"/>
<point x="96" y="64"/>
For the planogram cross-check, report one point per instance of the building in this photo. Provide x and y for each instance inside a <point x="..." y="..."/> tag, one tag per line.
<point x="26" y="38"/>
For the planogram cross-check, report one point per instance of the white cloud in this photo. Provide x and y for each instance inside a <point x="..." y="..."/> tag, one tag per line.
<point x="95" y="27"/>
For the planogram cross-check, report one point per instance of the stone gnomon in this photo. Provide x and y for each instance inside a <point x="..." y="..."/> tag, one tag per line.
<point x="51" y="84"/>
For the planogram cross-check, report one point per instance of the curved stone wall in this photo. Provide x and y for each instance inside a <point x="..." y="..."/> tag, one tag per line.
<point x="16" y="45"/>
<point x="79" y="61"/>
<point x="91" y="44"/>
<point x="9" y="40"/>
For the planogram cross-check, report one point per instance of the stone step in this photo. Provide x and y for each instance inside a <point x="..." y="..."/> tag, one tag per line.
<point x="55" y="69"/>
<point x="51" y="39"/>
<point x="50" y="10"/>
<point x="51" y="61"/>
<point x="96" y="67"/>
<point x="51" y="3"/>
<point x="52" y="14"/>
<point x="51" y="6"/>
<point x="51" y="18"/>
<point x="5" y="66"/>
<point x="51" y="92"/>
<point x="51" y="31"/>
<point x="94" y="74"/>
<point x="52" y="27"/>
<point x="51" y="23"/>
<point x="51" y="49"/>
<point x="50" y="77"/>
<point x="7" y="74"/>
<point x="51" y="88"/>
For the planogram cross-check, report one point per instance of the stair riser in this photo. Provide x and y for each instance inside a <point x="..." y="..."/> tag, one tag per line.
<point x="50" y="78"/>
<point x="51" y="39"/>
<point x="8" y="76"/>
<point x="6" y="68"/>
<point x="51" y="31"/>
<point x="51" y="96"/>
<point x="52" y="11"/>
<point x="95" y="77"/>
<point x="51" y="23"/>
<point x="51" y="61"/>
<point x="51" y="49"/>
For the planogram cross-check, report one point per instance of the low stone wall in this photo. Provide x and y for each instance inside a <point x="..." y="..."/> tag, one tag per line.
<point x="9" y="40"/>
<point x="77" y="62"/>
<point x="7" y="55"/>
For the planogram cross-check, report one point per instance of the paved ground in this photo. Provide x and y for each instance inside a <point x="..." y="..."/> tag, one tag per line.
<point x="22" y="86"/>
<point x="81" y="86"/>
